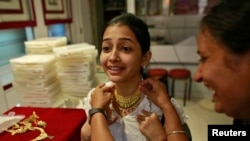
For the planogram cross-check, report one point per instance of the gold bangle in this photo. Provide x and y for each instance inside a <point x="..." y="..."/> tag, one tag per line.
<point x="176" y="132"/>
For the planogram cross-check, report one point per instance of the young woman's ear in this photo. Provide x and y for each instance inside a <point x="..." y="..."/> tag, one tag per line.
<point x="146" y="58"/>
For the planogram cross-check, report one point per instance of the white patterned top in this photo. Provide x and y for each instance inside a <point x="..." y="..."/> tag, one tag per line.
<point x="127" y="128"/>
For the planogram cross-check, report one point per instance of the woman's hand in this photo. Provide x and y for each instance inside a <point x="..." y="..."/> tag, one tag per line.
<point x="155" y="91"/>
<point x="101" y="96"/>
<point x="150" y="126"/>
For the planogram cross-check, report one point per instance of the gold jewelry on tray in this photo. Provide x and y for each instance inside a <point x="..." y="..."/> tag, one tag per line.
<point x="43" y="135"/>
<point x="29" y="124"/>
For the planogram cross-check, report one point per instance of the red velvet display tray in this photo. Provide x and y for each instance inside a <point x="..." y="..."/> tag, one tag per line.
<point x="62" y="123"/>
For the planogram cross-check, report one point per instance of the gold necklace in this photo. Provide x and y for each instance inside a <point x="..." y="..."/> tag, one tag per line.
<point x="127" y="102"/>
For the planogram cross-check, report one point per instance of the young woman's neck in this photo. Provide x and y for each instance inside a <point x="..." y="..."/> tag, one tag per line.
<point x="128" y="88"/>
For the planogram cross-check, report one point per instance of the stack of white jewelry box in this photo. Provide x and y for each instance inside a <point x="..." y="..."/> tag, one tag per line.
<point x="76" y="67"/>
<point x="35" y="76"/>
<point x="35" y="80"/>
<point x="44" y="45"/>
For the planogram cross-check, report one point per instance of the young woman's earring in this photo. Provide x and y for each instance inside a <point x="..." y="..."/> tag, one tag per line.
<point x="144" y="67"/>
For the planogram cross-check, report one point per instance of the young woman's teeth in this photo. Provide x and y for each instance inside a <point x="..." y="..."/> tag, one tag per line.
<point x="114" y="69"/>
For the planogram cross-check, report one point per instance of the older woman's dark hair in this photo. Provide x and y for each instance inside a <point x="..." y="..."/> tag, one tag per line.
<point x="229" y="24"/>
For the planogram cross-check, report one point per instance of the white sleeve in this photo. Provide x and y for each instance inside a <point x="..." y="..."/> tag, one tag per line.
<point x="86" y="102"/>
<point x="179" y="110"/>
